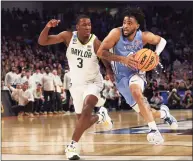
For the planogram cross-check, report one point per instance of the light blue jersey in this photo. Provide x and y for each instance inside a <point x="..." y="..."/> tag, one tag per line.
<point x="123" y="74"/>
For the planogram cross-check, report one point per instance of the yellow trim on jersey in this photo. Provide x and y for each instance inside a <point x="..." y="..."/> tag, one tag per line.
<point x="88" y="40"/>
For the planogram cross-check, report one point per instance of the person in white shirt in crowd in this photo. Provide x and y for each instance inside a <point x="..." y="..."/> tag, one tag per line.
<point x="39" y="99"/>
<point x="42" y="71"/>
<point x="21" y="77"/>
<point x="3" y="87"/>
<point x="66" y="86"/>
<point x="57" y="93"/>
<point x="15" y="96"/>
<point x="37" y="76"/>
<point x="10" y="77"/>
<point x="48" y="85"/>
<point x="115" y="98"/>
<point x="30" y="80"/>
<point x="25" y="100"/>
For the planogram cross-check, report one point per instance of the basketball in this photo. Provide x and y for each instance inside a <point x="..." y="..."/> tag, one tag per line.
<point x="147" y="59"/>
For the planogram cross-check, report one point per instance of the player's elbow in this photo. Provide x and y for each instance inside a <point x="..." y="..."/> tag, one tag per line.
<point x="41" y="42"/>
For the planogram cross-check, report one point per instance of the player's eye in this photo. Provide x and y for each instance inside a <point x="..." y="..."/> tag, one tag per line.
<point x="127" y="22"/>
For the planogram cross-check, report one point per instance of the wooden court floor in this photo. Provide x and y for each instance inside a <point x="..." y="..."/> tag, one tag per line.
<point x="44" y="138"/>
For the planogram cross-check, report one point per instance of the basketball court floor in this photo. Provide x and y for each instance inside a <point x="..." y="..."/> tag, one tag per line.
<point x="45" y="137"/>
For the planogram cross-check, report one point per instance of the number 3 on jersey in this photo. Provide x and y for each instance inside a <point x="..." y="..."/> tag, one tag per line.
<point x="80" y="65"/>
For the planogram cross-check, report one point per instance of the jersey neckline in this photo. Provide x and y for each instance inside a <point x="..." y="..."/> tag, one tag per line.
<point x="88" y="39"/>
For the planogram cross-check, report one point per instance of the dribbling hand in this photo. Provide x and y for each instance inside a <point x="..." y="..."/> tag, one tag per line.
<point x="53" y="23"/>
<point x="130" y="62"/>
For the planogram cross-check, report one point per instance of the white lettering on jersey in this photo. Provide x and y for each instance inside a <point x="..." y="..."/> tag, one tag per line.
<point x="82" y="60"/>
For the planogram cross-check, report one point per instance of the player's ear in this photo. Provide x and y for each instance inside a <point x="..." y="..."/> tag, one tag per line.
<point x="138" y="25"/>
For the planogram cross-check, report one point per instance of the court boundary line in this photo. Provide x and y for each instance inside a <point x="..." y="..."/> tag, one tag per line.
<point x="93" y="157"/>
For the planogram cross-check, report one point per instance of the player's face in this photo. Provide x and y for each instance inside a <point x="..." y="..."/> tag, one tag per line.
<point x="130" y="26"/>
<point x="84" y="27"/>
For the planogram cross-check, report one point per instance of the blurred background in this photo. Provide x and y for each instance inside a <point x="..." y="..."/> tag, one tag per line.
<point x="23" y="60"/>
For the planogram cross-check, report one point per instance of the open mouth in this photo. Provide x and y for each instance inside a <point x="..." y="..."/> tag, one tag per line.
<point x="126" y="32"/>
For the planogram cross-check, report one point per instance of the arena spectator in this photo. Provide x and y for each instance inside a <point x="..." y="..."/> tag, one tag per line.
<point x="174" y="99"/>
<point x="21" y="78"/>
<point x="3" y="87"/>
<point x="188" y="100"/>
<point x="57" y="92"/>
<point x="66" y="86"/>
<point x="37" y="76"/>
<point x="150" y="88"/>
<point x="156" y="99"/>
<point x="25" y="100"/>
<point x="11" y="77"/>
<point x="39" y="100"/>
<point x="15" y="93"/>
<point x="30" y="80"/>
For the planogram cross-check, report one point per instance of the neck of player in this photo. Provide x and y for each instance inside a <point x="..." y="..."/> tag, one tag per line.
<point x="83" y="39"/>
<point x="132" y="36"/>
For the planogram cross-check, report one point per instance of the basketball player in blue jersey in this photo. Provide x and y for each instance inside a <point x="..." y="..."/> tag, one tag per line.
<point x="86" y="79"/>
<point x="124" y="42"/>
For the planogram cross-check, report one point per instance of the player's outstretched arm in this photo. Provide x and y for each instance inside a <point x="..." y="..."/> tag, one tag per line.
<point x="45" y="39"/>
<point x="108" y="43"/>
<point x="150" y="38"/>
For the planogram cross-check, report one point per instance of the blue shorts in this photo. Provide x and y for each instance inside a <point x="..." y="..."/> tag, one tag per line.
<point x="123" y="83"/>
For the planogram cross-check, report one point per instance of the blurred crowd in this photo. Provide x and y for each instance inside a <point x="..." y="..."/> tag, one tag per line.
<point x="24" y="61"/>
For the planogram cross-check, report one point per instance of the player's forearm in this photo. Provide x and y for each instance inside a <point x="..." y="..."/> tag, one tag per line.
<point x="106" y="55"/>
<point x="107" y="65"/>
<point x="43" y="38"/>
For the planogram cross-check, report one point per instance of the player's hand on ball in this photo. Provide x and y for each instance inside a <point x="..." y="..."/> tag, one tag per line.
<point x="53" y="23"/>
<point x="131" y="62"/>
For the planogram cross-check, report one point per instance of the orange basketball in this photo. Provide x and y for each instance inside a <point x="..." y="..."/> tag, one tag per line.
<point x="147" y="59"/>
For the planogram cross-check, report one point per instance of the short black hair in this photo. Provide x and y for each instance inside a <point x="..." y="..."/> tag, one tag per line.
<point x="80" y="17"/>
<point x="135" y="12"/>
